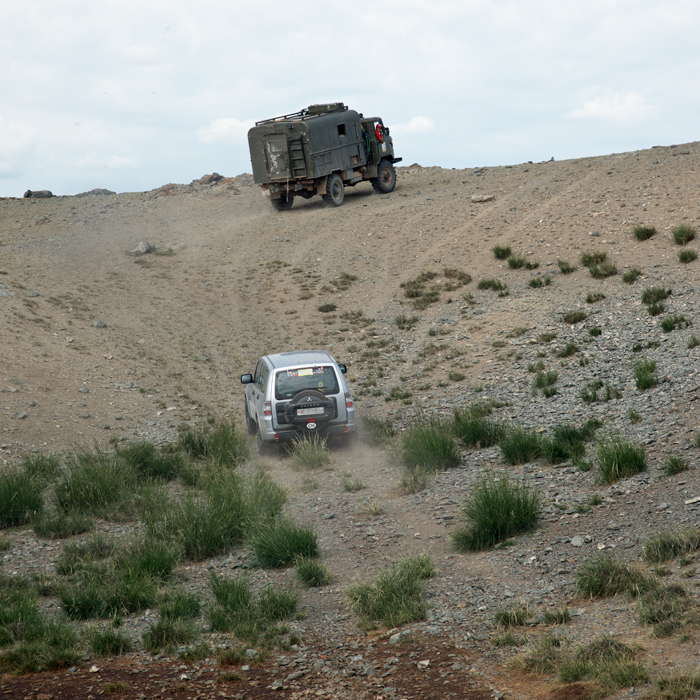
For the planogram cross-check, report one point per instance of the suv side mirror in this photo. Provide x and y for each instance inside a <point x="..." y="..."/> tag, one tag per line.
<point x="246" y="379"/>
<point x="343" y="368"/>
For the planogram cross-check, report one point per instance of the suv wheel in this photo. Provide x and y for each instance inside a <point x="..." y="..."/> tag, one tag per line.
<point x="335" y="190"/>
<point x="249" y="422"/>
<point x="386" y="177"/>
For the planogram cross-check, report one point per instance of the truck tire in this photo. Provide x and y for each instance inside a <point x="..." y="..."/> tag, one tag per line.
<point x="335" y="190"/>
<point x="284" y="202"/>
<point x="386" y="177"/>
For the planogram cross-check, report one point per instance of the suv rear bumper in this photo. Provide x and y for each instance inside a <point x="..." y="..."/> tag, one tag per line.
<point x="287" y="434"/>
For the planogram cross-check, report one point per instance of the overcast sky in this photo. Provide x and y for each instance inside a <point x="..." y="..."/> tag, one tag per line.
<point x="130" y="95"/>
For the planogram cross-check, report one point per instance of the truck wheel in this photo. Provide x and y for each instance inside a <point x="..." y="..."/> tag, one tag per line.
<point x="386" y="177"/>
<point x="335" y="190"/>
<point x="284" y="202"/>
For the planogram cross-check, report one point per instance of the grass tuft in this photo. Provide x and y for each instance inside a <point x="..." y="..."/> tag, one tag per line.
<point x="645" y="374"/>
<point x="673" y="322"/>
<point x="619" y="459"/>
<point x="665" y="546"/>
<point x="502" y="252"/>
<point x="687" y="255"/>
<point x="574" y="316"/>
<point x="683" y="234"/>
<point x="643" y="233"/>
<point x="309" y="453"/>
<point x="279" y="543"/>
<point x="496" y="510"/>
<point x="20" y="496"/>
<point x="397" y="595"/>
<point x="630" y="276"/>
<point x="520" y="445"/>
<point x="312" y="573"/>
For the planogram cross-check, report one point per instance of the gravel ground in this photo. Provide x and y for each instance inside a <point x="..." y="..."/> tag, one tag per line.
<point x="238" y="280"/>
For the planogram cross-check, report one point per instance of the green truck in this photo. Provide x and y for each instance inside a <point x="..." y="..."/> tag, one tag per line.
<point x="320" y="150"/>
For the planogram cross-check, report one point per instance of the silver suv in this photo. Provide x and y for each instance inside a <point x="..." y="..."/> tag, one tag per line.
<point x="298" y="393"/>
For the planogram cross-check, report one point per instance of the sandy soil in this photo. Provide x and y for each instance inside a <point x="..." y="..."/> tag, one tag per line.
<point x="101" y="345"/>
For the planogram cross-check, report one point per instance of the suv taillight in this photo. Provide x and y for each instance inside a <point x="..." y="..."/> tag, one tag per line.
<point x="348" y="401"/>
<point x="267" y="408"/>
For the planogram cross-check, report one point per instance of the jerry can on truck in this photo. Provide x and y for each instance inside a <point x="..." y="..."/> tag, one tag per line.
<point x="321" y="150"/>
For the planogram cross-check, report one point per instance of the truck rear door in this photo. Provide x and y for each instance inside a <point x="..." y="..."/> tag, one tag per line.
<point x="277" y="157"/>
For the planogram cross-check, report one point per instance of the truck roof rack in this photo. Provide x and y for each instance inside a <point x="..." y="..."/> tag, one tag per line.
<point x="308" y="112"/>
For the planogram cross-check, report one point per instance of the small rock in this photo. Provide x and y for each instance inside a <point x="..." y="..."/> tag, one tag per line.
<point x="38" y="194"/>
<point x="99" y="324"/>
<point x="577" y="541"/>
<point x="142" y="248"/>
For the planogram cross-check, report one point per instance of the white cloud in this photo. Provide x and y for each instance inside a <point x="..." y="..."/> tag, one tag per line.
<point x="141" y="54"/>
<point x="614" y="106"/>
<point x="225" y="130"/>
<point x="416" y="125"/>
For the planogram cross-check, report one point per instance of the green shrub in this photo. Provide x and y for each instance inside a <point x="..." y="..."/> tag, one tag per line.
<point x="251" y="618"/>
<point x="546" y="382"/>
<point x="406" y="323"/>
<point x="568" y="350"/>
<point x="429" y="444"/>
<point x="502" y="252"/>
<point x="664" y="546"/>
<point x="683" y="234"/>
<point x="565" y="268"/>
<point x="593" y="297"/>
<point x="415" y="479"/>
<point x="594" y="331"/>
<point x="397" y="595"/>
<point x="538" y="282"/>
<point x="643" y="233"/>
<point x="309" y="453"/>
<point x="20" y="497"/>
<point x="42" y="467"/>
<point x="279" y="543"/>
<point x="327" y="308"/>
<point x="214" y="523"/>
<point x="474" y="429"/>
<point x="496" y="510"/>
<point x="225" y="443"/>
<point x="594" y="258"/>
<point x="517" y="616"/>
<point x="61" y="525"/>
<point x="492" y="284"/>
<point x="557" y="617"/>
<point x="108" y="642"/>
<point x="603" y="270"/>
<point x="671" y="323"/>
<point x="148" y="463"/>
<point x="376" y="431"/>
<point x="665" y="609"/>
<point x="96" y="482"/>
<point x="652" y="295"/>
<point x="520" y="445"/>
<point x="619" y="459"/>
<point x="516" y="262"/>
<point x="574" y="316"/>
<point x="693" y="342"/>
<point x="603" y="577"/>
<point x="568" y="442"/>
<point x="687" y="255"/>
<point x="167" y="635"/>
<point x="630" y="276"/>
<point x="645" y="374"/>
<point x="312" y="573"/>
<point x="675" y="465"/>
<point x="351" y="483"/>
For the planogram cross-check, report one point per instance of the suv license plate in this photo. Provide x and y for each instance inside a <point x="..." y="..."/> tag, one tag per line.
<point x="310" y="411"/>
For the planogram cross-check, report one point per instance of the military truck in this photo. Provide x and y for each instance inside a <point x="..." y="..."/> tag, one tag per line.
<point x="320" y="150"/>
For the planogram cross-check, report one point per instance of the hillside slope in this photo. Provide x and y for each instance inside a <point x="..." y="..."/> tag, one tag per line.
<point x="102" y="345"/>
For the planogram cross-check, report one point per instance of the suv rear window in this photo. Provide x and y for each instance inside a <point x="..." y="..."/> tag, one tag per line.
<point x="290" y="381"/>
